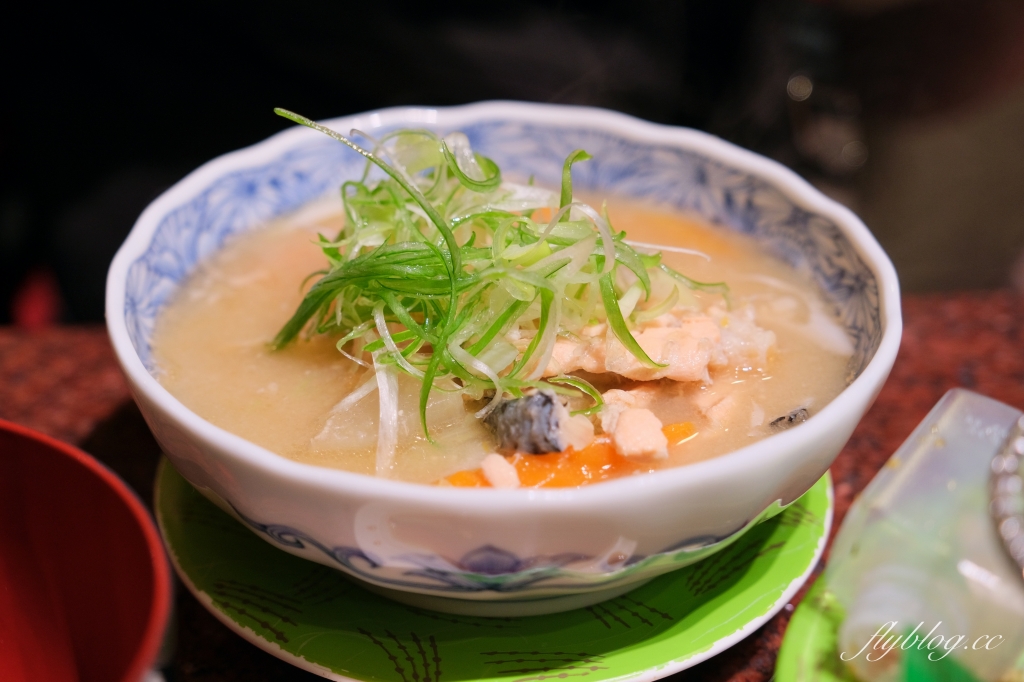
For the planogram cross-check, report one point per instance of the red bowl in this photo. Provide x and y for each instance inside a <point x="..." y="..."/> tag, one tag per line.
<point x="84" y="582"/>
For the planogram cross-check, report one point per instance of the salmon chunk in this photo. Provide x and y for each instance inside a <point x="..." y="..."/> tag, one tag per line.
<point x="685" y="349"/>
<point x="684" y="343"/>
<point x="638" y="433"/>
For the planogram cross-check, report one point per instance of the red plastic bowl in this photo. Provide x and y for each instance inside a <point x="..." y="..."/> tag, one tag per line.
<point x="84" y="583"/>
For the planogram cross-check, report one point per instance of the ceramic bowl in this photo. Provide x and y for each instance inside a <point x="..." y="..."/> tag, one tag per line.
<point x="85" y="588"/>
<point x="509" y="551"/>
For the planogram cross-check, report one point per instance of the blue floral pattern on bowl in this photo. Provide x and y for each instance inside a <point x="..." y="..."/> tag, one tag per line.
<point x="494" y="569"/>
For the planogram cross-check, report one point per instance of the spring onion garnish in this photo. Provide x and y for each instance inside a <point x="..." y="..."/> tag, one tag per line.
<point x="449" y="273"/>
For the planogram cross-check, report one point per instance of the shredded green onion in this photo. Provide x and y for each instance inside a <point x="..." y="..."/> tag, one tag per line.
<point x="441" y="267"/>
<point x="584" y="387"/>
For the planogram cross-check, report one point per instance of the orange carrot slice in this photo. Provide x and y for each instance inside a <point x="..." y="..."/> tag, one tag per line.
<point x="570" y="469"/>
<point x="678" y="434"/>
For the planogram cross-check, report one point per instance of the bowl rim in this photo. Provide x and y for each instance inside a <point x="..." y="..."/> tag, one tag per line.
<point x="767" y="450"/>
<point x="160" y="608"/>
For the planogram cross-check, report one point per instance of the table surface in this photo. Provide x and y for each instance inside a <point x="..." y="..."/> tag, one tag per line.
<point x="65" y="382"/>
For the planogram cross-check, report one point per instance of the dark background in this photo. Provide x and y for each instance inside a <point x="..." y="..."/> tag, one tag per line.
<point x="911" y="112"/>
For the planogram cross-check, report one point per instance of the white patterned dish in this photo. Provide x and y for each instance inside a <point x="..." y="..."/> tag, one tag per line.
<point x="501" y="551"/>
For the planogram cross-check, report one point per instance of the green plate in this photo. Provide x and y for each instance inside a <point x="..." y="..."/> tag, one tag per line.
<point x="809" y="651"/>
<point x="316" y="619"/>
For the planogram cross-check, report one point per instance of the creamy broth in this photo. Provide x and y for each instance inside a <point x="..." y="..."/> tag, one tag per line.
<point x="211" y="345"/>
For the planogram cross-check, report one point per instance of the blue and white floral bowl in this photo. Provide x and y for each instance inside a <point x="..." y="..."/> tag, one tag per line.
<point x="509" y="552"/>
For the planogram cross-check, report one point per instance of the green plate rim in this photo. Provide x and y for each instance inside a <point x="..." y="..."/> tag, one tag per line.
<point x="808" y="650"/>
<point x="652" y="670"/>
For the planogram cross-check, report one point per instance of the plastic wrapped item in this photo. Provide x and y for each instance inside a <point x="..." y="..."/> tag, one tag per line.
<point x="920" y="583"/>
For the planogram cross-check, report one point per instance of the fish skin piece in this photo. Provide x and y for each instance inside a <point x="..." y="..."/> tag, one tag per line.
<point x="530" y="424"/>
<point x="788" y="420"/>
